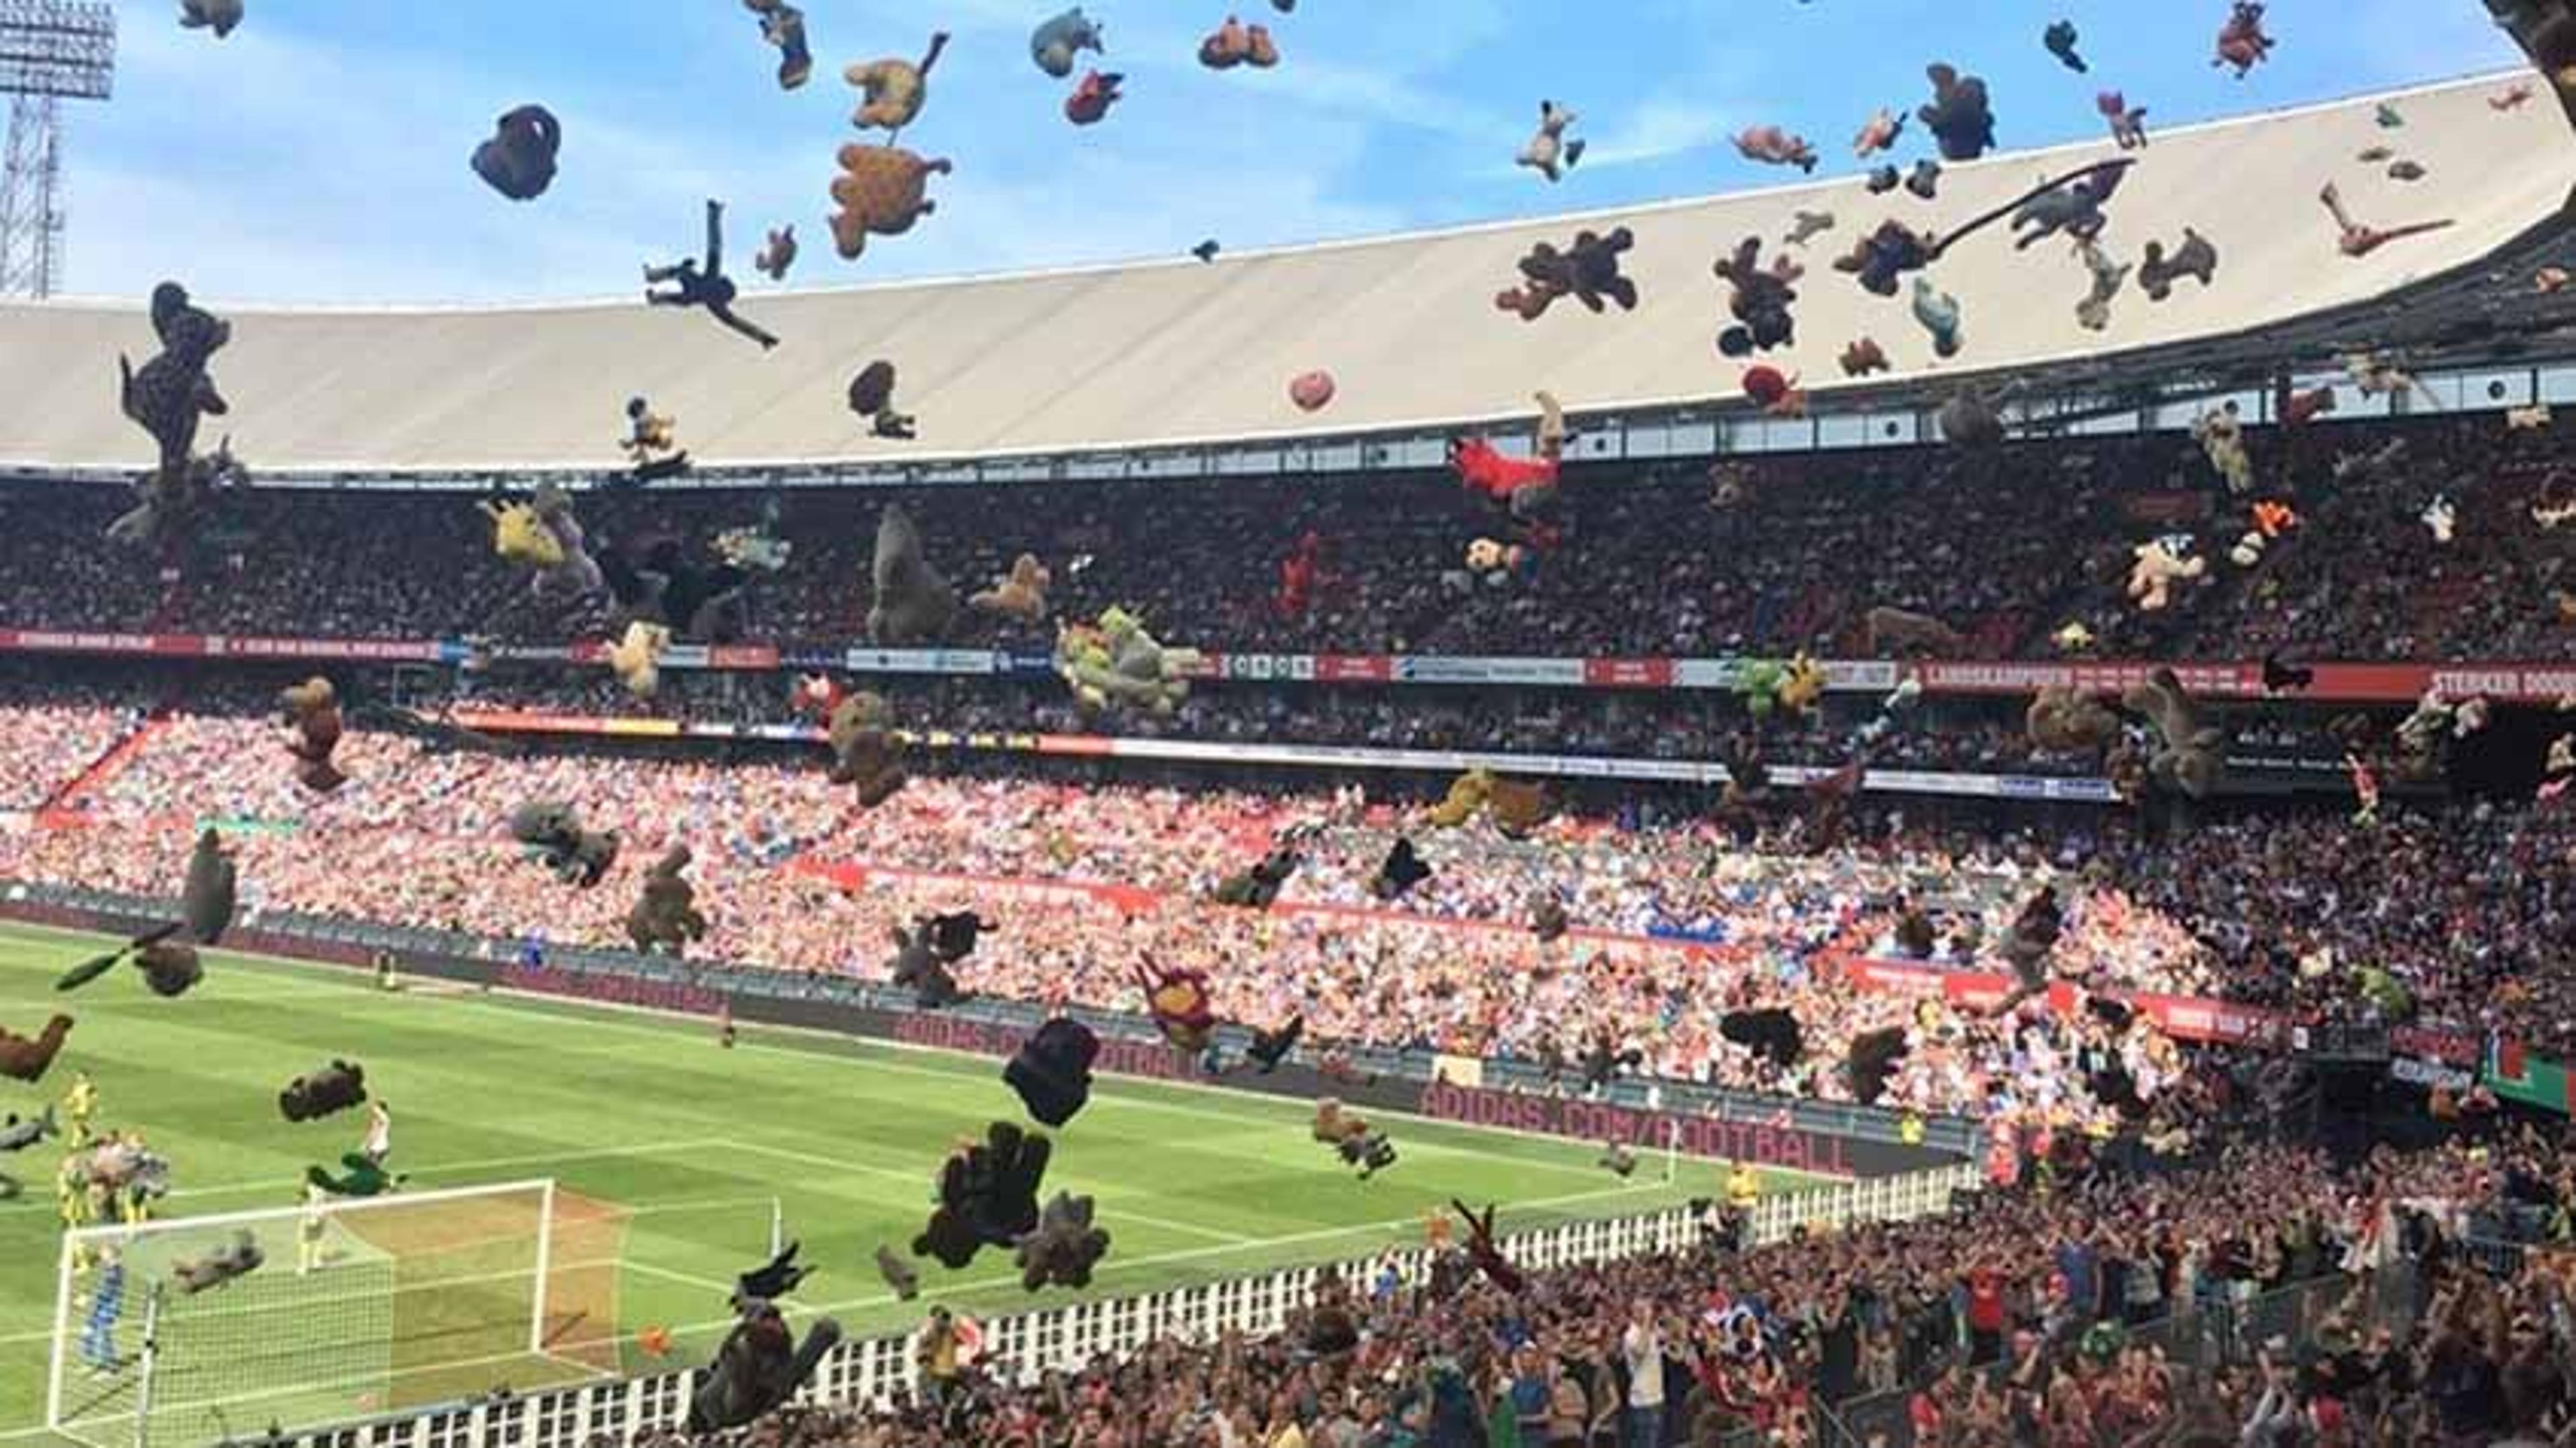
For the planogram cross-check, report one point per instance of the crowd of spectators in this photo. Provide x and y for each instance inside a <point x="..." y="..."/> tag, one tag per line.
<point x="2007" y="547"/>
<point x="2257" y="1296"/>
<point x="49" y="735"/>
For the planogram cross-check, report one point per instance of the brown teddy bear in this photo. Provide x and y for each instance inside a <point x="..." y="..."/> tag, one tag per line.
<point x="1898" y="628"/>
<point x="1235" y="43"/>
<point x="1022" y="595"/>
<point x="666" y="914"/>
<point x="2062" y="721"/>
<point x="895" y="90"/>
<point x="865" y="752"/>
<point x="2190" y="752"/>
<point x="1588" y="272"/>
<point x="313" y="731"/>
<point x="1864" y="356"/>
<point x="882" y="191"/>
<point x="24" y="1058"/>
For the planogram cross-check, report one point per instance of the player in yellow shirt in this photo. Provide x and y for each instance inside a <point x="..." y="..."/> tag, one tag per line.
<point x="80" y="1104"/>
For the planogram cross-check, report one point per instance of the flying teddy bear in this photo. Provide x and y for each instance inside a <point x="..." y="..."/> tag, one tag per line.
<point x="1467" y="797"/>
<point x="519" y="158"/>
<point x="170" y="394"/>
<point x="552" y="834"/>
<point x="913" y="604"/>
<point x="1021" y="594"/>
<point x="1117" y="661"/>
<point x="893" y="90"/>
<point x="2194" y="258"/>
<point x="25" y="1058"/>
<point x="2157" y="569"/>
<point x="1878" y="133"/>
<point x="2241" y="41"/>
<point x="2221" y="436"/>
<point x="1178" y="1001"/>
<point x="1587" y="272"/>
<point x="666" y="913"/>
<point x="773" y="259"/>
<point x="220" y="16"/>
<point x="783" y="25"/>
<point x="1548" y="151"/>
<point x="1938" y="311"/>
<point x="882" y="191"/>
<point x="2093" y="313"/>
<point x="1958" y="115"/>
<point x="1885" y="254"/>
<point x="1863" y="356"/>
<point x="1761" y="301"/>
<point x="2268" y="521"/>
<point x="865" y="752"/>
<point x="1773" y="146"/>
<point x="2128" y="122"/>
<point x="1896" y="628"/>
<point x="636" y="659"/>
<point x="2062" y="721"/>
<point x="872" y="396"/>
<point x="1092" y="97"/>
<point x="1352" y="1138"/>
<point x="1802" y="685"/>
<point x="1235" y="43"/>
<point x="2190" y="753"/>
<point x="312" y="733"/>
<point x="1054" y="44"/>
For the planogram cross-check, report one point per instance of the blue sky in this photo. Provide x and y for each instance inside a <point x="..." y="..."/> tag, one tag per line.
<point x="319" y="154"/>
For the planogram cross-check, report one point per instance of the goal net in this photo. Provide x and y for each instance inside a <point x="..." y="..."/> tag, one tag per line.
<point x="356" y="1307"/>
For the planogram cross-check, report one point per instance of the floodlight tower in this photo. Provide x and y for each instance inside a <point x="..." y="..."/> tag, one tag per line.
<point x="49" y="50"/>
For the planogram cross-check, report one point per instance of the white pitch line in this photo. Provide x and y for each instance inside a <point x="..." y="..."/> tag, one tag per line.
<point x="1185" y="1228"/>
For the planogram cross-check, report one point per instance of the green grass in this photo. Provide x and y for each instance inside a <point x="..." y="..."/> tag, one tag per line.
<point x="1194" y="1184"/>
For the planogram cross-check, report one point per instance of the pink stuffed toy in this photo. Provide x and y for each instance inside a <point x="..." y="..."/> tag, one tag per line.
<point x="1775" y="147"/>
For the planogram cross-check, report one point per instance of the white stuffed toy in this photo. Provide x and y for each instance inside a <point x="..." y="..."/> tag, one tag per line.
<point x="637" y="658"/>
<point x="1549" y="153"/>
<point x="2440" y="516"/>
<point x="2221" y="435"/>
<point x="2159" y="566"/>
<point x="2528" y="419"/>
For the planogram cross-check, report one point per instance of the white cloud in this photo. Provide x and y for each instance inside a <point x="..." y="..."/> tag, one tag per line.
<point x="1658" y="130"/>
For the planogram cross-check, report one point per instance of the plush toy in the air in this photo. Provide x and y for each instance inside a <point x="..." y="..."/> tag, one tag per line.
<point x="1400" y="871"/>
<point x="666" y="913"/>
<point x="2442" y="518"/>
<point x="636" y="658"/>
<point x="1878" y="133"/>
<point x="1587" y="272"/>
<point x="2093" y="313"/>
<point x="865" y="752"/>
<point x="1758" y="682"/>
<point x="2221" y="435"/>
<point x="2074" y="638"/>
<point x="1885" y="254"/>
<point x="1802" y="685"/>
<point x="2298" y="409"/>
<point x="1052" y="1070"/>
<point x="1806" y="226"/>
<point x="1968" y="420"/>
<point x="1938" y="312"/>
<point x="757" y="1369"/>
<point x="360" y="1176"/>
<point x="1863" y="356"/>
<point x="913" y="604"/>
<point x="2062" y="721"/>
<point x="1178" y="1001"/>
<point x="1352" y="1138"/>
<point x="2194" y="258"/>
<point x="2073" y="209"/>
<point x="1020" y="594"/>
<point x="881" y="191"/>
<point x="1776" y="392"/>
<point x="574" y="571"/>
<point x="220" y="16"/>
<point x="237" y="1258"/>
<point x="2527" y="419"/>
<point x="336" y="1087"/>
<point x="2158" y="567"/>
<point x="1258" y="887"/>
<point x="170" y="393"/>
<point x="1235" y="43"/>
<point x="1548" y="151"/>
<point x="2128" y="123"/>
<point x="1773" y="146"/>
<point x="1467" y="797"/>
<point x="1054" y="44"/>
<point x="1958" y="114"/>
<point x="871" y="396"/>
<point x="919" y="969"/>
<point x="783" y="26"/>
<point x="1064" y="1247"/>
<point x="2268" y="521"/>
<point x="313" y="733"/>
<point x="25" y="1058"/>
<point x="2241" y="41"/>
<point x="520" y="536"/>
<point x="518" y="160"/>
<point x="2060" y="40"/>
<point x="651" y="448"/>
<point x="1116" y="662"/>
<point x="893" y="90"/>
<point x="1762" y="297"/>
<point x="774" y="258"/>
<point x="553" y="834"/>
<point x="2190" y="752"/>
<point x="1895" y="628"/>
<point x="1092" y="97"/>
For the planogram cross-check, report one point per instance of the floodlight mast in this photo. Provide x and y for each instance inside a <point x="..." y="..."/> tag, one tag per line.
<point x="50" y="51"/>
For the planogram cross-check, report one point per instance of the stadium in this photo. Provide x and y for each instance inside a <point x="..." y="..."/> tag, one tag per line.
<point x="1920" y="804"/>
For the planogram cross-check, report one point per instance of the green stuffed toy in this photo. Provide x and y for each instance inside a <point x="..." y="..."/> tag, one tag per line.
<point x="361" y="1176"/>
<point x="1117" y="662"/>
<point x="1760" y="685"/>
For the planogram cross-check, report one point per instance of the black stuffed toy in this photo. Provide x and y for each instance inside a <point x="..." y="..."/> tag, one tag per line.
<point x="553" y="832"/>
<point x="1270" y="1048"/>
<point x="1402" y="871"/>
<point x="918" y="968"/>
<point x="1065" y="1246"/>
<point x="759" y="1367"/>
<point x="519" y="159"/>
<point x="336" y="1087"/>
<point x="772" y="1279"/>
<point x="1959" y="114"/>
<point x="1052" y="1071"/>
<point x="988" y="1195"/>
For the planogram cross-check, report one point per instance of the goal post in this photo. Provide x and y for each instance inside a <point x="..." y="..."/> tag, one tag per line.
<point x="356" y="1306"/>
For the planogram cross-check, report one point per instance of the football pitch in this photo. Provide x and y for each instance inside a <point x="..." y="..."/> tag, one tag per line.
<point x="693" y="1144"/>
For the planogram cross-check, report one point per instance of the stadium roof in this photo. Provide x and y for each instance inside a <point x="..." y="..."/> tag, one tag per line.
<point x="1177" y="353"/>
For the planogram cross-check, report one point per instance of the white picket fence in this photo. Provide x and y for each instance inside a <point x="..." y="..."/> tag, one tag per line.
<point x="1030" y="1344"/>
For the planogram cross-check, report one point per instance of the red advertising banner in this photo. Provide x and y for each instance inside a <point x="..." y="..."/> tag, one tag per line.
<point x="1628" y="673"/>
<point x="2184" y="1018"/>
<point x="1353" y="669"/>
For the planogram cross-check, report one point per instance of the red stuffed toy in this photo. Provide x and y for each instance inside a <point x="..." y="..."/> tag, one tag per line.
<point x="1179" y="1002"/>
<point x="1777" y="395"/>
<point x="1488" y="1257"/>
<point x="1090" y="102"/>
<point x="1485" y="469"/>
<point x="2241" y="41"/>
